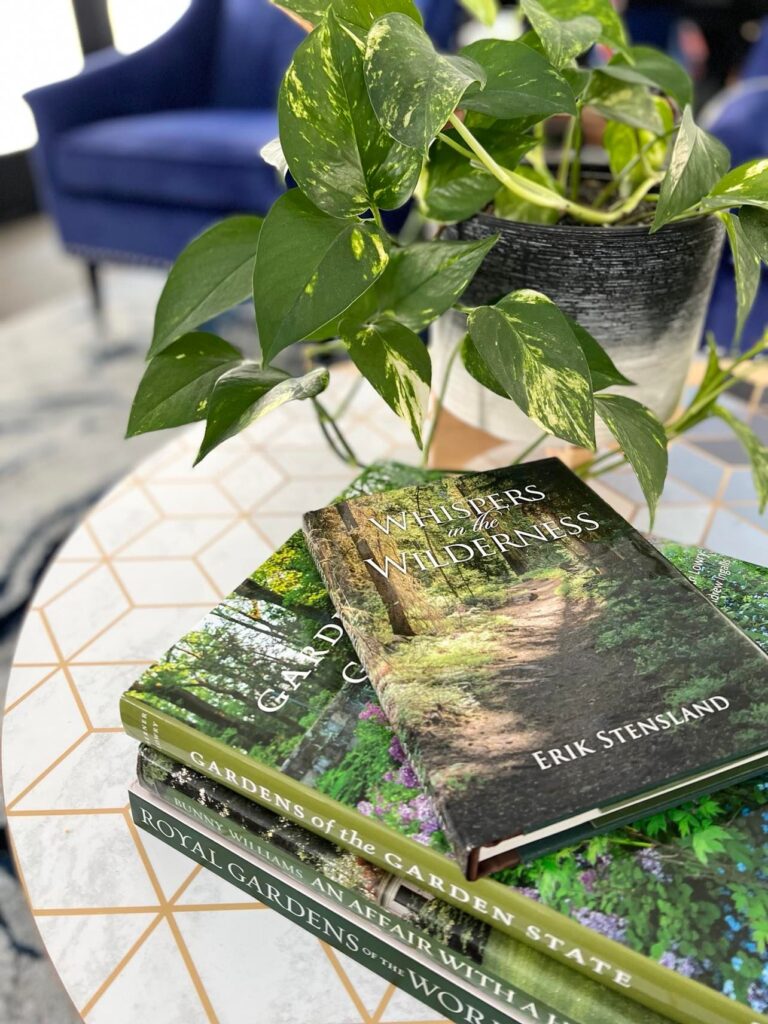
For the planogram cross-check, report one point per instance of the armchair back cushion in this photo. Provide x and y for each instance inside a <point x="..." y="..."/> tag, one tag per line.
<point x="253" y="47"/>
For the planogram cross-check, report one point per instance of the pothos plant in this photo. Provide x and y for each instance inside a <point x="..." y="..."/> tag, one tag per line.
<point x="371" y="116"/>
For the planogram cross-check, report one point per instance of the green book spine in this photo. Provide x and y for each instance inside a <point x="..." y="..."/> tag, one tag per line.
<point x="510" y="972"/>
<point x="291" y="899"/>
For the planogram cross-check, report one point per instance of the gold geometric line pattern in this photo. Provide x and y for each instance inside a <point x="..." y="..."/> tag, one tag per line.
<point x="166" y="493"/>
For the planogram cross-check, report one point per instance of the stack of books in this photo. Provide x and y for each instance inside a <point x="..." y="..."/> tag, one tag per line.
<point x="480" y="735"/>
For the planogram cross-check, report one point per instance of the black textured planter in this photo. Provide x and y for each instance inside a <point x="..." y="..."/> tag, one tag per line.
<point x="644" y="297"/>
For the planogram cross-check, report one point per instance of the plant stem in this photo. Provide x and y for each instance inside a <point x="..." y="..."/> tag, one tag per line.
<point x="614" y="183"/>
<point x="538" y="195"/>
<point x="565" y="160"/>
<point x="576" y="165"/>
<point x="530" y="448"/>
<point x="330" y="427"/>
<point x="376" y="214"/>
<point x="439" y="400"/>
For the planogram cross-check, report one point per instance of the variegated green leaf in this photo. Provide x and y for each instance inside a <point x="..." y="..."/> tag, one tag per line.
<point x="657" y="68"/>
<point x="643" y="440"/>
<point x="426" y="278"/>
<point x="529" y="348"/>
<point x="746" y="268"/>
<point x="746" y="185"/>
<point x="412" y="87"/>
<point x="612" y="26"/>
<point x="211" y="275"/>
<point x="697" y="163"/>
<point x="310" y="267"/>
<point x="756" y="450"/>
<point x="361" y="13"/>
<point x="177" y="382"/>
<point x="754" y="222"/>
<point x="337" y="151"/>
<point x="486" y="11"/>
<point x="476" y="368"/>
<point x="562" y="39"/>
<point x="626" y="102"/>
<point x="396" y="362"/>
<point x="519" y="82"/>
<point x="246" y="393"/>
<point x="602" y="369"/>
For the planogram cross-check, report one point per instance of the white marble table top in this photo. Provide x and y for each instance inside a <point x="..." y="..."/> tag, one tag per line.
<point x="134" y="931"/>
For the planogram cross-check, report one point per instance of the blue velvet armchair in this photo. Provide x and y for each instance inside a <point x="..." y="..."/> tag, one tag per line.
<point x="139" y="153"/>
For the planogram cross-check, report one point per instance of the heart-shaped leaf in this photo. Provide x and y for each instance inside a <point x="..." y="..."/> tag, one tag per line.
<point x="602" y="369"/>
<point x="177" y="382"/>
<point x="211" y="275"/>
<point x="626" y="102"/>
<point x="661" y="70"/>
<point x="426" y="278"/>
<point x="246" y="393"/>
<point x="756" y="450"/>
<point x="310" y="268"/>
<point x="568" y="10"/>
<point x="360" y="13"/>
<point x="529" y="348"/>
<point x="412" y="87"/>
<point x="519" y="82"/>
<point x="476" y="368"/>
<point x="396" y="362"/>
<point x="746" y="185"/>
<point x="337" y="151"/>
<point x="697" y="163"/>
<point x="643" y="440"/>
<point x="622" y="146"/>
<point x="746" y="268"/>
<point x="754" y="223"/>
<point x="562" y="40"/>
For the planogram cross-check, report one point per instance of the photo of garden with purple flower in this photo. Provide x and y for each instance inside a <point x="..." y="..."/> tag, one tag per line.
<point x="687" y="887"/>
<point x="377" y="766"/>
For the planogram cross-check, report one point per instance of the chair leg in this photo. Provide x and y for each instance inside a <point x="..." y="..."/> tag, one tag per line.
<point x="94" y="285"/>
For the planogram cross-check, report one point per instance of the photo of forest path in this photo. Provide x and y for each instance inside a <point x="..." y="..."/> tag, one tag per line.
<point x="498" y="631"/>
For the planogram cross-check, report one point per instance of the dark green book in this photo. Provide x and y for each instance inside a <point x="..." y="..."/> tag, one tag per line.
<point x="288" y="893"/>
<point x="518" y="977"/>
<point x="547" y="670"/>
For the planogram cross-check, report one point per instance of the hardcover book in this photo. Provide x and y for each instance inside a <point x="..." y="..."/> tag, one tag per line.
<point x="289" y="895"/>
<point x="546" y="669"/>
<point x="265" y="695"/>
<point x="520" y="978"/>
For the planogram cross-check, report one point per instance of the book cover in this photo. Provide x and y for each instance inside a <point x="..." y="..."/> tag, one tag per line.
<point x="544" y="666"/>
<point x="514" y="975"/>
<point x="289" y="895"/>
<point x="325" y="756"/>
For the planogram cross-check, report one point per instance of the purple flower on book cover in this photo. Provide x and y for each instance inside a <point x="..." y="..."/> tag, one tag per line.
<point x="374" y="712"/>
<point x="610" y="925"/>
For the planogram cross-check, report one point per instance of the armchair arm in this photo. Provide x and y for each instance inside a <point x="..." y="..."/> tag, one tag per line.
<point x="173" y="71"/>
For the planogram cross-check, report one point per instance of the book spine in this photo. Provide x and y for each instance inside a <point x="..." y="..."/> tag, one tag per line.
<point x="290" y="899"/>
<point x="522" y="978"/>
<point x="503" y="907"/>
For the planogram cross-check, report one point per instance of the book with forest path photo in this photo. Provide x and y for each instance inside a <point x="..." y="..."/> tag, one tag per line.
<point x="656" y="910"/>
<point x="546" y="669"/>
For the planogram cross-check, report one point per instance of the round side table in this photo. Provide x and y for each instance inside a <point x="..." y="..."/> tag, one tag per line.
<point x="134" y="931"/>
